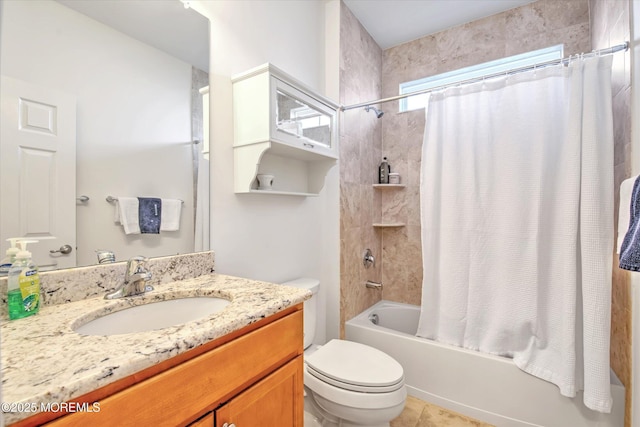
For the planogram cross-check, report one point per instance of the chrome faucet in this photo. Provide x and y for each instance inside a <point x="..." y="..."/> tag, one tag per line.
<point x="135" y="279"/>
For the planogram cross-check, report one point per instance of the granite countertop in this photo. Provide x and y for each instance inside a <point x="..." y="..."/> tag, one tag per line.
<point x="45" y="361"/>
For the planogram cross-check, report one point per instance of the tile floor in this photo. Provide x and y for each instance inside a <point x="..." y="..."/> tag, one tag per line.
<point x="418" y="413"/>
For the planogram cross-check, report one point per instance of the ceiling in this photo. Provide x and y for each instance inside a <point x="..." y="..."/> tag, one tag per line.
<point x="184" y="33"/>
<point x="165" y="25"/>
<point x="393" y="22"/>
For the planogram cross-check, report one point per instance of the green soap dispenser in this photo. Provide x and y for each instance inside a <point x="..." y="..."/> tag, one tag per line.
<point x="10" y="257"/>
<point x="24" y="284"/>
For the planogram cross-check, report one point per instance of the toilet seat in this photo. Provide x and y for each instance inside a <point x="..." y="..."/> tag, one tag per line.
<point x="355" y="367"/>
<point x="354" y="387"/>
<point x="353" y="399"/>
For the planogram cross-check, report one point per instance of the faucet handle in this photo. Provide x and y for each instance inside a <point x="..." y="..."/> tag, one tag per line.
<point x="136" y="264"/>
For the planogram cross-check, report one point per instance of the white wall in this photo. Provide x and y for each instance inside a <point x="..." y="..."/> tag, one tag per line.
<point x="332" y="239"/>
<point x="272" y="238"/>
<point x="133" y="118"/>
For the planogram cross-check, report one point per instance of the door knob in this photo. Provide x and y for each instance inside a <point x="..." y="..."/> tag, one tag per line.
<point x="64" y="249"/>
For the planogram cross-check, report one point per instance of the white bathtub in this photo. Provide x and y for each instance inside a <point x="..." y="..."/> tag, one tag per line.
<point x="482" y="386"/>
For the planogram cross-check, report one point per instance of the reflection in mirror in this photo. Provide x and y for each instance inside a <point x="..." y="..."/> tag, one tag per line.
<point x="120" y="89"/>
<point x="297" y="118"/>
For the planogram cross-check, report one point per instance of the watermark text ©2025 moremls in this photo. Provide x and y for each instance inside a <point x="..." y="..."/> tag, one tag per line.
<point x="66" y="407"/>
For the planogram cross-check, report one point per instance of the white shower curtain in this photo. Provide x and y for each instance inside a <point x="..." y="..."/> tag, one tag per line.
<point x="517" y="222"/>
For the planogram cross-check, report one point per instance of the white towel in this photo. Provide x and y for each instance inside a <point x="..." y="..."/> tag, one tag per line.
<point x="170" y="220"/>
<point x="127" y="214"/>
<point x="624" y="212"/>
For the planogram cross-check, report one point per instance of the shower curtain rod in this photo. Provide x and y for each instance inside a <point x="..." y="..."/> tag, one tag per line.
<point x="606" y="51"/>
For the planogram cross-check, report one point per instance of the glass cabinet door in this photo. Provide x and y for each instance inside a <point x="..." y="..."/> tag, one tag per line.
<point x="302" y="117"/>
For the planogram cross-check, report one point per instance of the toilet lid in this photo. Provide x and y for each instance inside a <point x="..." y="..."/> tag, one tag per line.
<point x="350" y="363"/>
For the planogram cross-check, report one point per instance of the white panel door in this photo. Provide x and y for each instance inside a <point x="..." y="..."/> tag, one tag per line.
<point x="38" y="170"/>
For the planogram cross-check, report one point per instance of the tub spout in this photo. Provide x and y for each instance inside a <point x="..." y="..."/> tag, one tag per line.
<point x="373" y="285"/>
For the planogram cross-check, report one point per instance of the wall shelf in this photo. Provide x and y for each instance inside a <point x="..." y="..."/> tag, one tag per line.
<point x="389" y="225"/>
<point x="388" y="186"/>
<point x="282" y="193"/>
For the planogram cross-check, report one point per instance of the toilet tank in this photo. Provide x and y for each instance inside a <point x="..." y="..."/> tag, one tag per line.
<point x="310" y="306"/>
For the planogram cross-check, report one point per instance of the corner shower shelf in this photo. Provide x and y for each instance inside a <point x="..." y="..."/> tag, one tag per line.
<point x="388" y="186"/>
<point x="389" y="225"/>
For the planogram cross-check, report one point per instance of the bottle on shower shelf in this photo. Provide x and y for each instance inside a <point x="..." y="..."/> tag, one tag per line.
<point x="383" y="172"/>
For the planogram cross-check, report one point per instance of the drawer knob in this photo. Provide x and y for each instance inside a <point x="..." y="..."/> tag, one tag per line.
<point x="228" y="425"/>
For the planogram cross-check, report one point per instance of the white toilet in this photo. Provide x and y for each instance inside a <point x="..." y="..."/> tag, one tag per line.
<point x="346" y="383"/>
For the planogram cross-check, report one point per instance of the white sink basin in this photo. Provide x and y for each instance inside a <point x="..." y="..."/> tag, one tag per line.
<point x="153" y="316"/>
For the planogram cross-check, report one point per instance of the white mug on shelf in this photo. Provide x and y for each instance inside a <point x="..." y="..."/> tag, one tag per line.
<point x="265" y="182"/>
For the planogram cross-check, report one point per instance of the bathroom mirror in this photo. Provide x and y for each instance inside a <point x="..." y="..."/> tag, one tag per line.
<point x="135" y="70"/>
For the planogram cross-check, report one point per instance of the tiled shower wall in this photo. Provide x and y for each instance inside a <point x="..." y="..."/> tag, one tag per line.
<point x="360" y="148"/>
<point x="578" y="24"/>
<point x="609" y="27"/>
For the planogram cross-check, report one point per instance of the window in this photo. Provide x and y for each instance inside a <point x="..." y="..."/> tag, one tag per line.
<point x="475" y="71"/>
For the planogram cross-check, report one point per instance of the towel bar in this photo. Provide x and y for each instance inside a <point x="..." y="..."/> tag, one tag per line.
<point x="112" y="199"/>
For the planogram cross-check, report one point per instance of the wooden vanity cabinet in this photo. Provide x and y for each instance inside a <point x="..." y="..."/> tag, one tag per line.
<point x="274" y="401"/>
<point x="206" y="421"/>
<point x="250" y="378"/>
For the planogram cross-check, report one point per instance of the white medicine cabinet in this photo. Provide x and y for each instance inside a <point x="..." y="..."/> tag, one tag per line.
<point x="282" y="129"/>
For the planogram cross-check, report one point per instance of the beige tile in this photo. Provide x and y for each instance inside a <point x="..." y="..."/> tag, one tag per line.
<point x="435" y="416"/>
<point x="349" y="164"/>
<point x="402" y="269"/>
<point x="350" y="204"/>
<point x="524" y="21"/>
<point x="361" y="140"/>
<point x="575" y="38"/>
<point x="466" y="39"/>
<point x="563" y="13"/>
<point x="411" y="413"/>
<point x="418" y="413"/>
<point x="350" y="250"/>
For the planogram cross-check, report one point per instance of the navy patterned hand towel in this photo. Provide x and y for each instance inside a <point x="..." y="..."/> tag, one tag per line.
<point x="630" y="249"/>
<point x="149" y="214"/>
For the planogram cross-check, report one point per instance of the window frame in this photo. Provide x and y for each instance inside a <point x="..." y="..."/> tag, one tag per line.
<point x="477" y="71"/>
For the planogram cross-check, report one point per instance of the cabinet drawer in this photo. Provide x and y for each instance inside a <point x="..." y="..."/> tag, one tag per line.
<point x="185" y="392"/>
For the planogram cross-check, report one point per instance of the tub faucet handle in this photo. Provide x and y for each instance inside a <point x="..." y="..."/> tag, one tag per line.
<point x="368" y="259"/>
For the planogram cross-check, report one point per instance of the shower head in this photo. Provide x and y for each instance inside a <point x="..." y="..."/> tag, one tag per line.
<point x="379" y="113"/>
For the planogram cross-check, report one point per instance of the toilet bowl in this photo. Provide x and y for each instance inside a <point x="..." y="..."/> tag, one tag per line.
<point x="347" y="383"/>
<point x="358" y="384"/>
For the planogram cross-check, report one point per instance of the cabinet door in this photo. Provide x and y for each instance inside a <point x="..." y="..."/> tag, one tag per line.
<point x="276" y="400"/>
<point x="301" y="120"/>
<point x="206" y="421"/>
